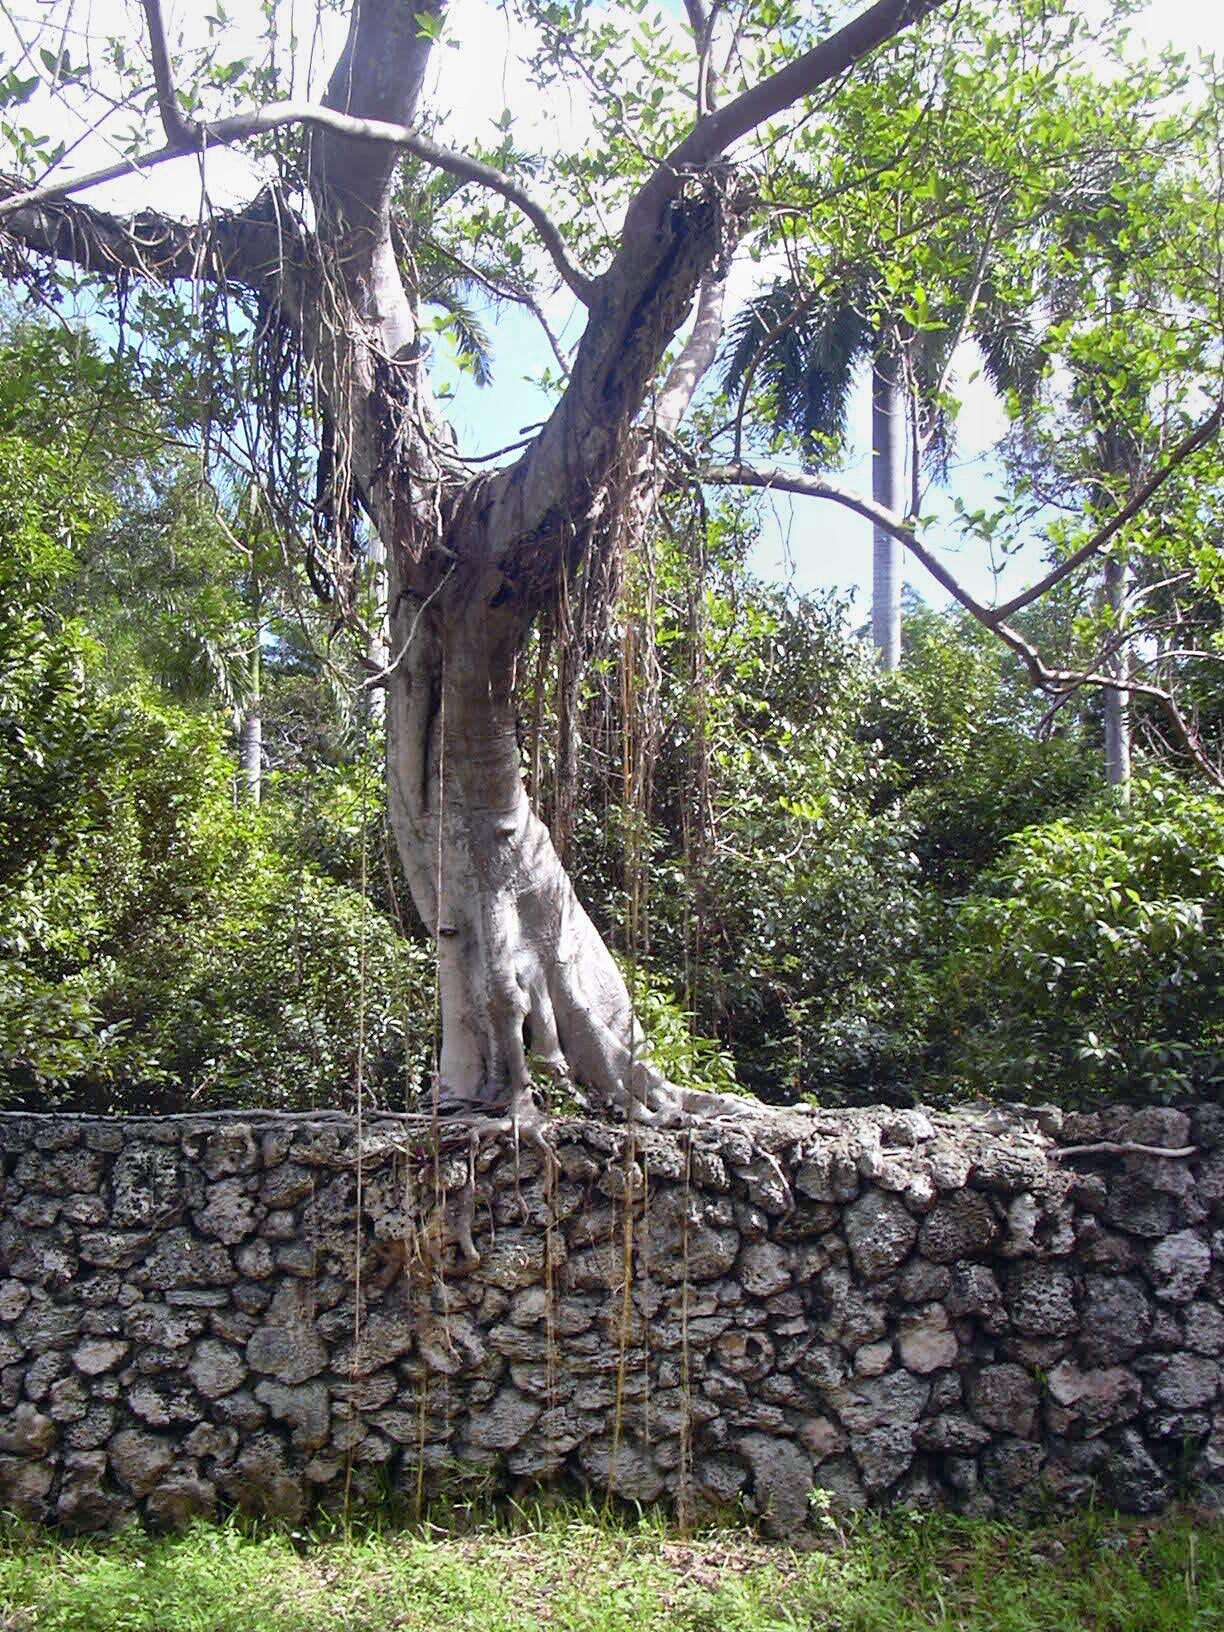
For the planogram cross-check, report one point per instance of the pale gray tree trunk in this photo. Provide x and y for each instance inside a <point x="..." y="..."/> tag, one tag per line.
<point x="888" y="438"/>
<point x="523" y="973"/>
<point x="1117" y="703"/>
<point x="250" y="736"/>
<point x="377" y="644"/>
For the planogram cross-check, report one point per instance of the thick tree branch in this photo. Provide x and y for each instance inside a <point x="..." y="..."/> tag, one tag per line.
<point x="679" y="231"/>
<point x="696" y="357"/>
<point x="800" y="78"/>
<point x="239" y="127"/>
<point x="378" y="77"/>
<point x="250" y="248"/>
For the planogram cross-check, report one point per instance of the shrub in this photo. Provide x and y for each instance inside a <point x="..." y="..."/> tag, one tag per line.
<point x="1089" y="961"/>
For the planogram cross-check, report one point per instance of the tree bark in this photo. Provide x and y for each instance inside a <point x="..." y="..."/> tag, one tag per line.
<point x="523" y="974"/>
<point x="378" y="650"/>
<point x="1117" y="702"/>
<point x="250" y="751"/>
<point x="888" y="422"/>
<point x="250" y="733"/>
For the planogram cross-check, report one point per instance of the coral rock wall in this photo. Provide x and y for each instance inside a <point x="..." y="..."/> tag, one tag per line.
<point x="265" y="1312"/>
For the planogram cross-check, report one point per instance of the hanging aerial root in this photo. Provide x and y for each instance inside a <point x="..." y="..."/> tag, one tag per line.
<point x="523" y="1121"/>
<point x="525" y="1124"/>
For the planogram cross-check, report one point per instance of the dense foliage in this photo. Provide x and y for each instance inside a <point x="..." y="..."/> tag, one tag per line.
<point x="892" y="885"/>
<point x="162" y="941"/>
<point x="1090" y="958"/>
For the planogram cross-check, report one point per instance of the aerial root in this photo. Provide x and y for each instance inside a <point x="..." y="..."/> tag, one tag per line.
<point x="699" y="1116"/>
<point x="526" y="1124"/>
<point x="523" y="1119"/>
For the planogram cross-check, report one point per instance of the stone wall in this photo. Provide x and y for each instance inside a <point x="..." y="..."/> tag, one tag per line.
<point x="883" y="1305"/>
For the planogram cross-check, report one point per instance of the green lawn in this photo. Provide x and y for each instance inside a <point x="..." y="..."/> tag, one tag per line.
<point x="573" y="1569"/>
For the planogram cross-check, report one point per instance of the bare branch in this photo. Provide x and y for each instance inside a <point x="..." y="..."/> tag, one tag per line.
<point x="52" y="191"/>
<point x="1110" y="1147"/>
<point x="178" y="131"/>
<point x="738" y="474"/>
<point x="701" y="23"/>
<point x="1056" y="681"/>
<point x="1197" y="438"/>
<point x="502" y="291"/>
<point x="240" y="127"/>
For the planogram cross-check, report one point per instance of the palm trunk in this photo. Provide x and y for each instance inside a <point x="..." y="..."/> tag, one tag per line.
<point x="1117" y="703"/>
<point x="377" y="645"/>
<point x="888" y="489"/>
<point x="250" y="737"/>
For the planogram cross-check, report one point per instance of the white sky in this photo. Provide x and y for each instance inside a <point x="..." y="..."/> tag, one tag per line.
<point x="816" y="545"/>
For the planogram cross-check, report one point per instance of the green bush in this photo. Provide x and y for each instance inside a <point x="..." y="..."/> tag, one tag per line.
<point x="161" y="945"/>
<point x="170" y="954"/>
<point x="1089" y="962"/>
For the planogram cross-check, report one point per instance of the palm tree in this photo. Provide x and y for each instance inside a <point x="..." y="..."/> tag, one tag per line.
<point x="805" y="354"/>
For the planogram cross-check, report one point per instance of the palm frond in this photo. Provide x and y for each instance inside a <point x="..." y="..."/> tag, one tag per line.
<point x="1012" y="354"/>
<point x="471" y="337"/>
<point x="803" y="357"/>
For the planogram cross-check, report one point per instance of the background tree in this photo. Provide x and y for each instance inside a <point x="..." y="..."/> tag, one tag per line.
<point x="1132" y="336"/>
<point x="908" y="276"/>
<point x="806" y="358"/>
<point x="896" y="279"/>
<point x="1135" y="370"/>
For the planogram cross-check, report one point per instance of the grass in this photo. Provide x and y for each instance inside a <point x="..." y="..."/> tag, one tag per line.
<point x="575" y="1570"/>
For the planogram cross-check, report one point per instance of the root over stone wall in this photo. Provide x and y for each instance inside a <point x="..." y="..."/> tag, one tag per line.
<point x="887" y="1306"/>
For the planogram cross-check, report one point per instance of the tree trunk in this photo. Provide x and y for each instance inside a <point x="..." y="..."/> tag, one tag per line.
<point x="523" y="973"/>
<point x="377" y="646"/>
<point x="1117" y="703"/>
<point x="887" y="488"/>
<point x="250" y="737"/>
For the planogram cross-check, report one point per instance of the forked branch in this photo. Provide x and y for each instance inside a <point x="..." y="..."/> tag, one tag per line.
<point x="179" y="132"/>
